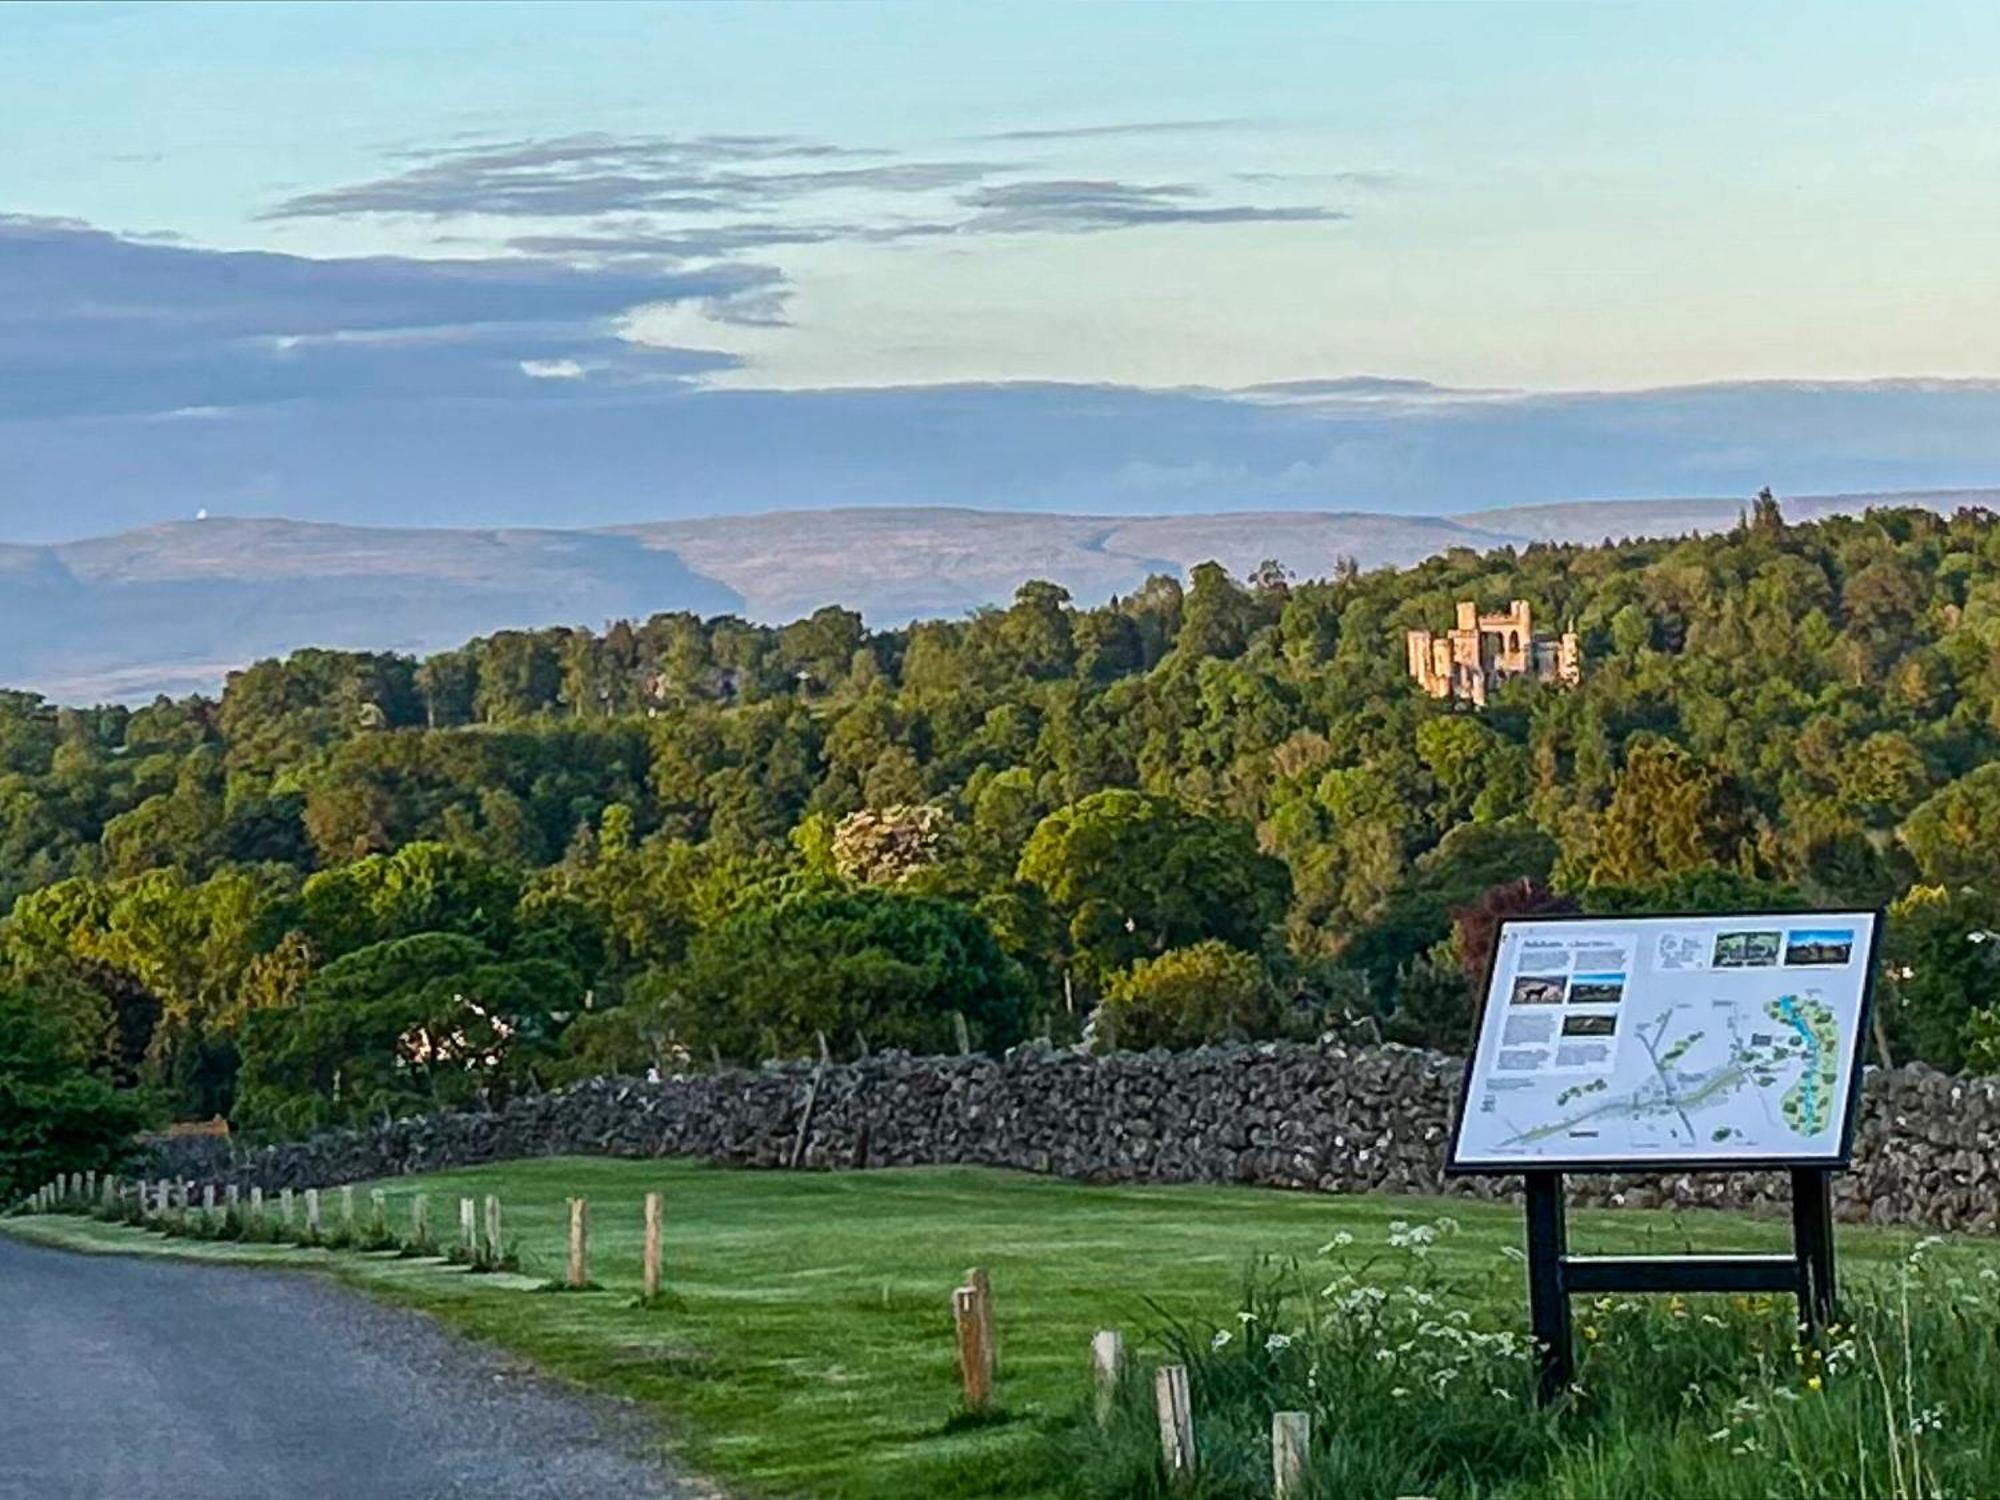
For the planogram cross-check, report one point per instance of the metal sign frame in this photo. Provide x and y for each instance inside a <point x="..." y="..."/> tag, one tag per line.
<point x="1554" y="1275"/>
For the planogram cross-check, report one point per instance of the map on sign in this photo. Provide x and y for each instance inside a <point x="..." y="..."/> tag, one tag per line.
<point x="1607" y="1041"/>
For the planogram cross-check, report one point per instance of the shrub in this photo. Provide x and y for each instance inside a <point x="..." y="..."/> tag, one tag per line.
<point x="1188" y="997"/>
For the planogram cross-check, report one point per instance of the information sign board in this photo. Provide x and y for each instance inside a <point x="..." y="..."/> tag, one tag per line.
<point x="1711" y="1041"/>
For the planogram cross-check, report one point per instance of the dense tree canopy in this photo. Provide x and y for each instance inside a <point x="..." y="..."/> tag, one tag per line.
<point x="1218" y="802"/>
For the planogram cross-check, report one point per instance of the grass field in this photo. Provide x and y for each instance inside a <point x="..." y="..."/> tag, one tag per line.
<point x="804" y="1345"/>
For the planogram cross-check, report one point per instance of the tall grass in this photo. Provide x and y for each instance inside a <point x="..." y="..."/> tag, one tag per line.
<point x="1420" y="1383"/>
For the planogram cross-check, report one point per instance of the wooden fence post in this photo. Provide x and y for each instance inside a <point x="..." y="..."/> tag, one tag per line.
<point x="312" y="1214"/>
<point x="420" y="1222"/>
<point x="257" y="1207"/>
<point x="207" y="1204"/>
<point x="579" y="1244"/>
<point x="1291" y="1441"/>
<point x="1170" y="1392"/>
<point x="980" y="1282"/>
<point x="468" y="1227"/>
<point x="347" y="1211"/>
<point x="975" y="1360"/>
<point x="90" y="1186"/>
<point x="160" y="1200"/>
<point x="1107" y="1370"/>
<point x="378" y="1216"/>
<point x="285" y="1208"/>
<point x="651" y="1269"/>
<point x="495" y="1249"/>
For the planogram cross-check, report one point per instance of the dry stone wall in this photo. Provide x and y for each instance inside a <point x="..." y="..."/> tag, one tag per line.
<point x="1326" y="1118"/>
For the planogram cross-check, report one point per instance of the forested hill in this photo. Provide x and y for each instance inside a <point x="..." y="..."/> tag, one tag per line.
<point x="360" y="883"/>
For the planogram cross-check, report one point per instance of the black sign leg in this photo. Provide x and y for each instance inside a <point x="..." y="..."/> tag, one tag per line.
<point x="1812" y="1241"/>
<point x="1548" y="1299"/>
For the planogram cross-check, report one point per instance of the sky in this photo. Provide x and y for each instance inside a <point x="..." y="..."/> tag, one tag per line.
<point x="577" y="263"/>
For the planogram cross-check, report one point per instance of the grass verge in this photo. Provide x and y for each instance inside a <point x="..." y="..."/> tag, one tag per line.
<point x="802" y="1344"/>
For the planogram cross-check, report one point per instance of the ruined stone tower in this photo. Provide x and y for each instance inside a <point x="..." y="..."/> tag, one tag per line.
<point x="1481" y="651"/>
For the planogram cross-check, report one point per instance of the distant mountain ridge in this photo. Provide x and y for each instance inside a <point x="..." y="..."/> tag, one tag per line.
<point x="173" y="608"/>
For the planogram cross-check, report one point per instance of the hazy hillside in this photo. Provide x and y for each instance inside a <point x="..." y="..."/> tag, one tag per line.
<point x="173" y="608"/>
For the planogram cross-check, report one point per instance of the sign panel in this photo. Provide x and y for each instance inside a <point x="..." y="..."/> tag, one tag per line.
<point x="1699" y="1041"/>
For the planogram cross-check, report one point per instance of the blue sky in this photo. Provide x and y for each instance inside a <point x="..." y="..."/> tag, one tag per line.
<point x="484" y="226"/>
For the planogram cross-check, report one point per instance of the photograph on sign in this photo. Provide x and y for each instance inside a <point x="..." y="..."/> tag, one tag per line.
<point x="1614" y="1041"/>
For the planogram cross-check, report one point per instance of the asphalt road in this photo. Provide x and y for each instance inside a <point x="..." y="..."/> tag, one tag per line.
<point x="125" y="1379"/>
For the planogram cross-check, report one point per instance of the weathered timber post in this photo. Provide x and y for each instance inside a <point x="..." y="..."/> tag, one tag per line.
<point x="579" y="1244"/>
<point x="1107" y="1370"/>
<point x="1170" y="1392"/>
<point x="312" y="1215"/>
<point x="161" y="1202"/>
<point x="468" y="1228"/>
<point x="980" y="1282"/>
<point x="257" y="1208"/>
<point x="207" y="1204"/>
<point x="1291" y="1442"/>
<point x="650" y="1275"/>
<point x="378" y="1216"/>
<point x="347" y="1212"/>
<point x="975" y="1360"/>
<point x="420" y="1222"/>
<point x="285" y="1208"/>
<point x="495" y="1249"/>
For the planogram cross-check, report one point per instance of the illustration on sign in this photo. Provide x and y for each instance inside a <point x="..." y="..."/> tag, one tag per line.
<point x="1683" y="1039"/>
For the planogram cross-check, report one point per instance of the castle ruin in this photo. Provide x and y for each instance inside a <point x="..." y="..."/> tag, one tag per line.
<point x="1473" y="658"/>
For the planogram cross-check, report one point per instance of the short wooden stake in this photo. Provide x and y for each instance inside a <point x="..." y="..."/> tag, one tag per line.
<point x="980" y="1282"/>
<point x="963" y="1034"/>
<point x="1291" y="1441"/>
<point x="90" y="1185"/>
<point x="420" y="1222"/>
<point x="378" y="1215"/>
<point x="468" y="1227"/>
<point x="285" y="1208"/>
<point x="347" y="1211"/>
<point x="579" y="1244"/>
<point x="975" y="1362"/>
<point x="232" y="1197"/>
<point x="1107" y="1370"/>
<point x="312" y="1213"/>
<point x="494" y="1247"/>
<point x="160" y="1200"/>
<point x="257" y="1206"/>
<point x="651" y="1270"/>
<point x="207" y="1201"/>
<point x="1170" y="1392"/>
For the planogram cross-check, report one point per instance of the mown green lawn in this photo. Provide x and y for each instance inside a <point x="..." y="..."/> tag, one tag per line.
<point x="805" y="1345"/>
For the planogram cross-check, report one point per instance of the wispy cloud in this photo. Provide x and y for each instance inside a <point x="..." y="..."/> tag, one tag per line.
<point x="1080" y="206"/>
<point x="603" y="198"/>
<point x="1097" y="132"/>
<point x="582" y="176"/>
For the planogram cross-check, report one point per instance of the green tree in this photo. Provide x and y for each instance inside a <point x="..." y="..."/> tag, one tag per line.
<point x="1955" y="834"/>
<point x="1133" y="875"/>
<point x="875" y="964"/>
<point x="57" y="1113"/>
<point x="1669" y="814"/>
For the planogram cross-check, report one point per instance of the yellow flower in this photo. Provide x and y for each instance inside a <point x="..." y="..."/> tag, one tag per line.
<point x="1590" y="1332"/>
<point x="1812" y="1382"/>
